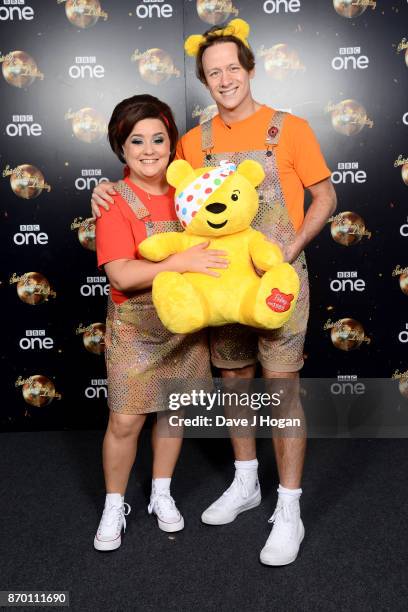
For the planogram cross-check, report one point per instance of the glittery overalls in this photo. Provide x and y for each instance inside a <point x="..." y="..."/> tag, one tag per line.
<point x="279" y="350"/>
<point x="140" y="352"/>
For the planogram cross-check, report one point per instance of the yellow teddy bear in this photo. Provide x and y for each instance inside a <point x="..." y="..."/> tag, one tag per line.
<point x="219" y="204"/>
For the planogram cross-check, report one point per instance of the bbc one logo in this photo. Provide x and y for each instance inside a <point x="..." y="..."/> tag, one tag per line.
<point x="36" y="340"/>
<point x="90" y="178"/>
<point x="404" y="229"/>
<point x="15" y="10"/>
<point x="347" y="281"/>
<point x="405" y="118"/>
<point x="97" y="389"/>
<point x="30" y="235"/>
<point x="272" y="7"/>
<point x="94" y="286"/>
<point x="347" y="385"/>
<point x="403" y="335"/>
<point x="348" y="172"/>
<point x="350" y="58"/>
<point x="154" y="8"/>
<point x="86" y="68"/>
<point x="23" y="125"/>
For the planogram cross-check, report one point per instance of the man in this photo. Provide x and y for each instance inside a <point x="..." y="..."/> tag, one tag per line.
<point x="291" y="157"/>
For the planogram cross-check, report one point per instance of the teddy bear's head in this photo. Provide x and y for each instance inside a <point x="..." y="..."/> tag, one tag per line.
<point x="216" y="201"/>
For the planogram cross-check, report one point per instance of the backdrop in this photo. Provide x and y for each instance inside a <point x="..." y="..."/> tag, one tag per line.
<point x="341" y="64"/>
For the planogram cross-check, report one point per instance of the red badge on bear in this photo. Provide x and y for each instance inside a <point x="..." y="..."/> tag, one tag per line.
<point x="278" y="301"/>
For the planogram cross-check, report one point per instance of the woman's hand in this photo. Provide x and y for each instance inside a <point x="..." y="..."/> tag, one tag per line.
<point x="101" y="196"/>
<point x="198" y="259"/>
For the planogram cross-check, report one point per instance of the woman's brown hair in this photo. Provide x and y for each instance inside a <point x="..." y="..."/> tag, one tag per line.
<point x="134" y="109"/>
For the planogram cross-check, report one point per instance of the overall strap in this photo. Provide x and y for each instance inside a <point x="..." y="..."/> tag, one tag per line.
<point x="207" y="136"/>
<point x="131" y="198"/>
<point x="273" y="131"/>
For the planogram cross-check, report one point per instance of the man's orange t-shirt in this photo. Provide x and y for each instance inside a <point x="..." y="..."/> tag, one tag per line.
<point x="119" y="232"/>
<point x="299" y="158"/>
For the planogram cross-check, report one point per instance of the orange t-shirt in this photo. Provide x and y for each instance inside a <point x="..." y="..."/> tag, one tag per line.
<point x="119" y="232"/>
<point x="299" y="158"/>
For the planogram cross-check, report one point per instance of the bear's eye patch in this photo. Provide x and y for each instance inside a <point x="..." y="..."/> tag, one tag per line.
<point x="234" y="196"/>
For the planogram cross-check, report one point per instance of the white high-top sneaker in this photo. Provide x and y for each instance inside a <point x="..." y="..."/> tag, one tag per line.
<point x="287" y="533"/>
<point x="164" y="507"/>
<point x="233" y="501"/>
<point x="108" y="536"/>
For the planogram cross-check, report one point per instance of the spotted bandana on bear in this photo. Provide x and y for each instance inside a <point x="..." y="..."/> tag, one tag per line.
<point x="189" y="201"/>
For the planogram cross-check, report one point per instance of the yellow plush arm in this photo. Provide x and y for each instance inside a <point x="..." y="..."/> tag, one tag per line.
<point x="158" y="247"/>
<point x="264" y="254"/>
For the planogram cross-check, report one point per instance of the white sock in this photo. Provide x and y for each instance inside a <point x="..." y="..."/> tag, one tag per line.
<point x="114" y="499"/>
<point x="161" y="485"/>
<point x="249" y="469"/>
<point x="289" y="495"/>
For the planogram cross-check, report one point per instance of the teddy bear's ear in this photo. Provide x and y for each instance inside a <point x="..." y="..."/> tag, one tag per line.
<point x="178" y="171"/>
<point x="252" y="171"/>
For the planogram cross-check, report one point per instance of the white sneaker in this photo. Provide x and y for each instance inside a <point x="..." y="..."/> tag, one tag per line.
<point x="283" y="544"/>
<point x="108" y="536"/>
<point x="164" y="507"/>
<point x="233" y="501"/>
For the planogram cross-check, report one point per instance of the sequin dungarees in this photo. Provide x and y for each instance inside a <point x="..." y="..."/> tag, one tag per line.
<point x="140" y="352"/>
<point x="235" y="345"/>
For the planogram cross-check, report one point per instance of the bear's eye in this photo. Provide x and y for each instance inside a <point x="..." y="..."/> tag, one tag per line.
<point x="234" y="197"/>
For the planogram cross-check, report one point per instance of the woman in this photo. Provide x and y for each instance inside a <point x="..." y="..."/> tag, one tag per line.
<point x="140" y="352"/>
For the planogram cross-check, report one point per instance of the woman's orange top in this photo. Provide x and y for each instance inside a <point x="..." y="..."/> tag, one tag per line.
<point x="119" y="232"/>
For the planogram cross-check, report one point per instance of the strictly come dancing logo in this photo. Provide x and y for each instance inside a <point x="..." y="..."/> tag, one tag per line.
<point x="155" y="66"/>
<point x="93" y="337"/>
<point x="402" y="378"/>
<point x="402" y="162"/>
<point x="348" y="228"/>
<point x="20" y="69"/>
<point x="346" y="334"/>
<point x="83" y="13"/>
<point x="32" y="288"/>
<point x="88" y="125"/>
<point x="204" y="113"/>
<point x="26" y="181"/>
<point x="348" y="117"/>
<point x="86" y="232"/>
<point x="38" y="390"/>
<point x="353" y="8"/>
<point x="402" y="275"/>
<point x="216" y="11"/>
<point x="280" y="61"/>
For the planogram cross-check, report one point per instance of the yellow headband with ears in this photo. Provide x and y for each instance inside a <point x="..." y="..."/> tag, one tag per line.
<point x="237" y="27"/>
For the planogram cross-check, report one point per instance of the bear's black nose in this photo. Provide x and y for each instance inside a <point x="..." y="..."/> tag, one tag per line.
<point x="216" y="207"/>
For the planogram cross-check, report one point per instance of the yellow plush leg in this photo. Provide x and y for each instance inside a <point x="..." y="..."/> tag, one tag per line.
<point x="273" y="297"/>
<point x="178" y="304"/>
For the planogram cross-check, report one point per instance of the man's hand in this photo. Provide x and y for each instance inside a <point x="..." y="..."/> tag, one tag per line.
<point x="323" y="205"/>
<point x="101" y="196"/>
